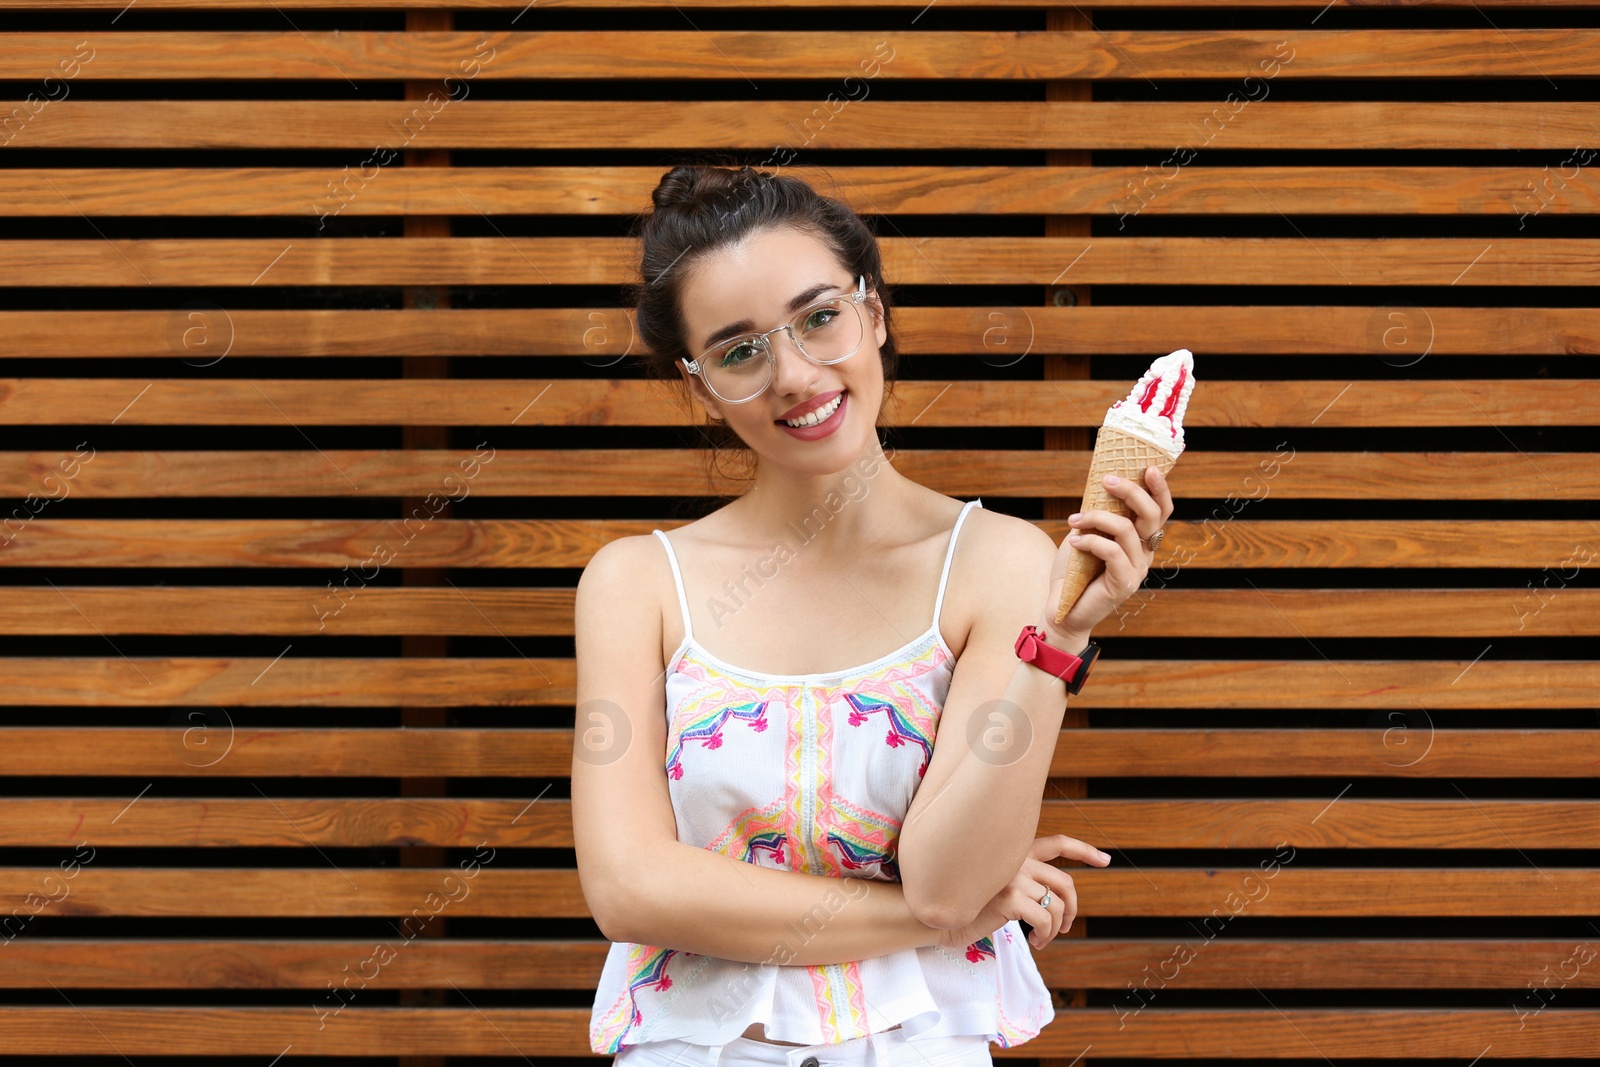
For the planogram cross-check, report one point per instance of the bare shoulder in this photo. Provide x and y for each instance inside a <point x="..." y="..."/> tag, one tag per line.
<point x="621" y="563"/>
<point x="1002" y="564"/>
<point x="1007" y="539"/>
<point x="622" y="584"/>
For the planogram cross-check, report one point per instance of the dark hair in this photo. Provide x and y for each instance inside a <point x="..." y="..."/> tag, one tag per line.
<point x="700" y="208"/>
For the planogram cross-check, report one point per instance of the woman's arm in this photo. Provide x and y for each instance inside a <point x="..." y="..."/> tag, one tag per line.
<point x="712" y="904"/>
<point x="977" y="809"/>
<point x="641" y="883"/>
<point x="976" y="812"/>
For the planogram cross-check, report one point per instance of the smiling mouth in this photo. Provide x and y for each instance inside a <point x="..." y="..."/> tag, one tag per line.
<point x="811" y="418"/>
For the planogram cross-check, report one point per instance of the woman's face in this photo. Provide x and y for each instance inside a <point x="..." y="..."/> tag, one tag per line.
<point x="755" y="285"/>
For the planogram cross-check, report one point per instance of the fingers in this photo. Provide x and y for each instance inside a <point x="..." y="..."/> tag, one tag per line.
<point x="1069" y="899"/>
<point x="1157" y="484"/>
<point x="1045" y="919"/>
<point x="1138" y="499"/>
<point x="1122" y="575"/>
<point x="1038" y="874"/>
<point x="1048" y="846"/>
<point x="1051" y="920"/>
<point x="1119" y="526"/>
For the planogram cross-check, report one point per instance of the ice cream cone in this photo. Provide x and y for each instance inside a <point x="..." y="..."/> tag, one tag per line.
<point x="1125" y="455"/>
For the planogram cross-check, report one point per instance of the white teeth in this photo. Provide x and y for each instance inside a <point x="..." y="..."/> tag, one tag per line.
<point x="814" y="417"/>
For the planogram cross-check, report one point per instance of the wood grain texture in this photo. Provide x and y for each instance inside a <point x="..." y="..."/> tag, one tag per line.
<point x="1531" y="547"/>
<point x="1218" y="189"/>
<point x="400" y="261"/>
<point x="760" y="124"/>
<point x="318" y="891"/>
<point x="504" y="963"/>
<point x="465" y="681"/>
<point x="606" y="335"/>
<point x="1231" y="477"/>
<point x="947" y="56"/>
<point x="1329" y="402"/>
<point x="1557" y="610"/>
<point x="1175" y="1033"/>
<point x="1402" y="744"/>
<point x="292" y="822"/>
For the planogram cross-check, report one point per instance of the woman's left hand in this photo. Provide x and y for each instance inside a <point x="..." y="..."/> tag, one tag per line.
<point x="1118" y="540"/>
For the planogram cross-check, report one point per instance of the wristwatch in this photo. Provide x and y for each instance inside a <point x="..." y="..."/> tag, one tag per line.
<point x="1074" y="670"/>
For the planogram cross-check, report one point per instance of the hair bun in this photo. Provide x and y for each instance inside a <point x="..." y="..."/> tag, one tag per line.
<point x="691" y="183"/>
<point x="680" y="185"/>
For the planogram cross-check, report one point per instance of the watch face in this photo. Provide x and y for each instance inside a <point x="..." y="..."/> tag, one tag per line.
<point x="1091" y="653"/>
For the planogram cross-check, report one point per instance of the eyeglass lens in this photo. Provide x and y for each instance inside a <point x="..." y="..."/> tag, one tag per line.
<point x="828" y="331"/>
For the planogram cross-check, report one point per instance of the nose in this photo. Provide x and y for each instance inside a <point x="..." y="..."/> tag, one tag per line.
<point x="794" y="373"/>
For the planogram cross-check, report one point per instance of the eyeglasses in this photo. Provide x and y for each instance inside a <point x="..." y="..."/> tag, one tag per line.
<point x="829" y="331"/>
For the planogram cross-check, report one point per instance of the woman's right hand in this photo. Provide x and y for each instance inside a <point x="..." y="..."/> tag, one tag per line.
<point x="1019" y="898"/>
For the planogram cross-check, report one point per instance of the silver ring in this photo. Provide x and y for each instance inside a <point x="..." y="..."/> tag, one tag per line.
<point x="1153" y="542"/>
<point x="1045" y="900"/>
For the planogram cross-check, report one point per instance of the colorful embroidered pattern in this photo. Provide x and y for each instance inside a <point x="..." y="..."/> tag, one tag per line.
<point x="901" y="727"/>
<point x="708" y="730"/>
<point x="980" y="950"/>
<point x="648" y="970"/>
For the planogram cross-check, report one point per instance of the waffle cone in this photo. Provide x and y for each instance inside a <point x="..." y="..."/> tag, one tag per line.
<point x="1126" y="456"/>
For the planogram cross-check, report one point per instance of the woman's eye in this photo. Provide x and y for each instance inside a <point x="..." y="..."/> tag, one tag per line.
<point x="820" y="317"/>
<point x="738" y="354"/>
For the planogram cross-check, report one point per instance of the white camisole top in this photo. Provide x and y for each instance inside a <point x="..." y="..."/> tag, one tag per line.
<point x="811" y="773"/>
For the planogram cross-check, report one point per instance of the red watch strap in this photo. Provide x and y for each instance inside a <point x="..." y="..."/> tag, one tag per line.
<point x="1032" y="648"/>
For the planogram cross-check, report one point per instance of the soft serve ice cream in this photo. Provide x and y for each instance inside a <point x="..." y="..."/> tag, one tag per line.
<point x="1154" y="408"/>
<point x="1143" y="429"/>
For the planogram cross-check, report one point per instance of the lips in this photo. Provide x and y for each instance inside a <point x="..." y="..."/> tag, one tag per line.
<point x="805" y="407"/>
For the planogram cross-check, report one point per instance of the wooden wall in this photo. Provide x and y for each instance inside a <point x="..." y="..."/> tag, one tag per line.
<point x="316" y="398"/>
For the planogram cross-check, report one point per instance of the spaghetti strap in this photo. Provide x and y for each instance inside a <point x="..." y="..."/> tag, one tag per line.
<point x="677" y="578"/>
<point x="950" y="554"/>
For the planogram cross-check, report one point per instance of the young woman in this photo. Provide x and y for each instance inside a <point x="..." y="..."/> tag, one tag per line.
<point x="804" y="862"/>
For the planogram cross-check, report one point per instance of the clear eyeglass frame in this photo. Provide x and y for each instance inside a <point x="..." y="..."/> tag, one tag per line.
<point x="857" y="298"/>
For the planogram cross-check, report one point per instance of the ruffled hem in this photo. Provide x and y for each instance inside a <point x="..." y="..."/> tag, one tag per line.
<point x="939" y="993"/>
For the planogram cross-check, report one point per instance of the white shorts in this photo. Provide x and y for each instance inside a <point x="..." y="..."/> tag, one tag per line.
<point x="886" y="1049"/>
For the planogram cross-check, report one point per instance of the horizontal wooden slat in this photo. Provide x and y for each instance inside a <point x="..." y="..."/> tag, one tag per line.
<point x="1250" y="1033"/>
<point x="588" y="125"/>
<point x="1126" y="192"/>
<point x="1334" y="823"/>
<point x="1377" y="612"/>
<point x="324" y="891"/>
<point x="1397" y="333"/>
<point x="1296" y="890"/>
<point x="1287" y="474"/>
<point x="1094" y="963"/>
<point x="293" y="822"/>
<point x="336" y="681"/>
<point x="398" y="261"/>
<point x="1324" y="963"/>
<point x="208" y="745"/>
<point x="192" y="963"/>
<point x="1559" y="609"/>
<point x="1414" y="404"/>
<point x="898" y="54"/>
<point x="1409" y="746"/>
<point x="1532" y="547"/>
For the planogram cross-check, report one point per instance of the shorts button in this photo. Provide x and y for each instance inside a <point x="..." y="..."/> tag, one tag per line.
<point x="809" y="1061"/>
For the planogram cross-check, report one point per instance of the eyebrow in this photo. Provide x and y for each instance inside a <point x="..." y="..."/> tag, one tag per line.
<point x="801" y="299"/>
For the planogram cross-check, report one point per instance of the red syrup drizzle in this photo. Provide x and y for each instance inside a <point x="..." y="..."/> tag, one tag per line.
<point x="1172" y="402"/>
<point x="1149" y="394"/>
<point x="1172" y="399"/>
